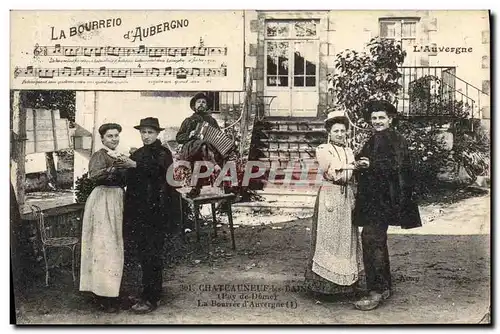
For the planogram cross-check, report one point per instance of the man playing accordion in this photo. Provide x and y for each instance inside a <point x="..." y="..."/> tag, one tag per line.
<point x="193" y="148"/>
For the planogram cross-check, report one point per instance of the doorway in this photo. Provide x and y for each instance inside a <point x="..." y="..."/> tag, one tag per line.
<point x="291" y="67"/>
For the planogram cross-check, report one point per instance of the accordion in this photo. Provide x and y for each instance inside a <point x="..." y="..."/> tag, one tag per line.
<point x="215" y="137"/>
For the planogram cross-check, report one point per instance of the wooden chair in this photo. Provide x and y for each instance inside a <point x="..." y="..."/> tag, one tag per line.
<point x="53" y="242"/>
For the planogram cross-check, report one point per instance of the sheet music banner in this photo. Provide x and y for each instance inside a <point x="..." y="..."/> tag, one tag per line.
<point x="127" y="50"/>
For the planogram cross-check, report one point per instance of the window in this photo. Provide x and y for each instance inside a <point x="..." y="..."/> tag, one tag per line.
<point x="399" y="29"/>
<point x="403" y="31"/>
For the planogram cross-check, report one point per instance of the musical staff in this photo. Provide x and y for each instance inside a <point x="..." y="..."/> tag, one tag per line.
<point x="124" y="51"/>
<point x="178" y="72"/>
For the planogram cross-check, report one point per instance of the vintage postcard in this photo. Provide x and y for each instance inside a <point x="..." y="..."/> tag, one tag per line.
<point x="250" y="167"/>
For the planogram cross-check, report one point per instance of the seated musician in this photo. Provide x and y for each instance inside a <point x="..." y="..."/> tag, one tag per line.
<point x="193" y="148"/>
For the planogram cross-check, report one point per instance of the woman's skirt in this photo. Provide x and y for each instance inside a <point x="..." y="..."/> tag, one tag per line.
<point x="102" y="242"/>
<point x="335" y="263"/>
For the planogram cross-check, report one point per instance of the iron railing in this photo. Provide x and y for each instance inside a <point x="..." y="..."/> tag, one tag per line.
<point x="437" y="91"/>
<point x="434" y="91"/>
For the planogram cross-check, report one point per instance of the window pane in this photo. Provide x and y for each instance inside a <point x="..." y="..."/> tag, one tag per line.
<point x="298" y="81"/>
<point x="283" y="65"/>
<point x="271" y="65"/>
<point x="283" y="81"/>
<point x="298" y="62"/>
<point x="305" y="28"/>
<point x="277" y="29"/>
<point x="387" y="29"/>
<point x="306" y="53"/>
<point x="310" y="81"/>
<point x="271" y="81"/>
<point x="310" y="68"/>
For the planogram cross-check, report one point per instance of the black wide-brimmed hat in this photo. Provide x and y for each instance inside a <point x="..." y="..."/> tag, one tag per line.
<point x="200" y="96"/>
<point x="379" y="105"/>
<point x="150" y="122"/>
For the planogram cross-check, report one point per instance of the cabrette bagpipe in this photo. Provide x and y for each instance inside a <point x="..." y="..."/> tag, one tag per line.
<point x="217" y="138"/>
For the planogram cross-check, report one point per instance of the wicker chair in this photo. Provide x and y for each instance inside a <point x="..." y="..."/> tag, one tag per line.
<point x="53" y="242"/>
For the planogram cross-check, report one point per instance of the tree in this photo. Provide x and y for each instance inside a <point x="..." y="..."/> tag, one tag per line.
<point x="360" y="77"/>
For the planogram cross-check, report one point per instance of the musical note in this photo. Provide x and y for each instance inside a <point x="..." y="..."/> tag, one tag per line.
<point x="199" y="51"/>
<point x="196" y="71"/>
<point x="71" y="51"/>
<point x="98" y="52"/>
<point x="179" y="73"/>
<point x="113" y="51"/>
<point x="155" y="71"/>
<point x="29" y="71"/>
<point x="66" y="71"/>
<point x="118" y="51"/>
<point x="87" y="52"/>
<point x="57" y="49"/>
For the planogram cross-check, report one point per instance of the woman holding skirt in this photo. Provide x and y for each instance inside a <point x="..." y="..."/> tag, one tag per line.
<point x="102" y="239"/>
<point x="335" y="261"/>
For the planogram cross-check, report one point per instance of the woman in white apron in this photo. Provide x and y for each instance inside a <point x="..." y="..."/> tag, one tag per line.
<point x="335" y="261"/>
<point x="102" y="240"/>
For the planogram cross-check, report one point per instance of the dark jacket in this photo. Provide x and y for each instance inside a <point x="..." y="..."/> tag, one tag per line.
<point x="149" y="197"/>
<point x="385" y="189"/>
<point x="191" y="147"/>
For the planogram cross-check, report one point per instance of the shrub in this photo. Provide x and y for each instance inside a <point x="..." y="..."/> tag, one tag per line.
<point x="364" y="76"/>
<point x="84" y="186"/>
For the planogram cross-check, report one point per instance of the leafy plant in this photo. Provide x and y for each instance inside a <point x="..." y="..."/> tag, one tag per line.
<point x="364" y="76"/>
<point x="84" y="186"/>
<point x="471" y="149"/>
<point x="429" y="152"/>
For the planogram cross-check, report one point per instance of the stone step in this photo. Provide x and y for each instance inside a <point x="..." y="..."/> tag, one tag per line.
<point x="293" y="163"/>
<point x="278" y="144"/>
<point x="294" y="136"/>
<point x="294" y="125"/>
<point x="292" y="131"/>
<point x="291" y="119"/>
<point x="289" y="153"/>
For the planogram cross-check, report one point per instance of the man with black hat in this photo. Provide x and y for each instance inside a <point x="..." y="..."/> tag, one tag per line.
<point x="193" y="148"/>
<point x="147" y="216"/>
<point x="384" y="197"/>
